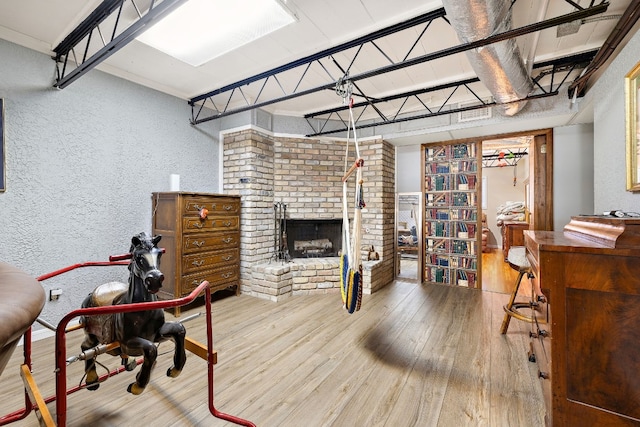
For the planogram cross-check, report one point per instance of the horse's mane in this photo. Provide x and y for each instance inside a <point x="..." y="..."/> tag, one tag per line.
<point x="145" y="241"/>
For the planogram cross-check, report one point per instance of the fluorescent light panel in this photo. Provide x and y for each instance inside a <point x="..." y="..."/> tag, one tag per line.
<point x="201" y="30"/>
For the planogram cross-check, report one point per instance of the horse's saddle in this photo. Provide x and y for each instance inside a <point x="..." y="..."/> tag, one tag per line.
<point x="100" y="325"/>
<point x="106" y="293"/>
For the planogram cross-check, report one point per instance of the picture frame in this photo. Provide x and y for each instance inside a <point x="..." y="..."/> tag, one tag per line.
<point x="632" y="116"/>
<point x="2" y="164"/>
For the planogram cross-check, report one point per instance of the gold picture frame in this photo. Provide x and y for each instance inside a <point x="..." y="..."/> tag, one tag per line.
<point x="632" y="111"/>
<point x="2" y="164"/>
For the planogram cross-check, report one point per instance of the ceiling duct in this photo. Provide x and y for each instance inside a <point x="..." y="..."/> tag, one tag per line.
<point x="499" y="66"/>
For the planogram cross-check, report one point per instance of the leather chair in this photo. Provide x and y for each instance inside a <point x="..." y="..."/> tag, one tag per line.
<point x="21" y="301"/>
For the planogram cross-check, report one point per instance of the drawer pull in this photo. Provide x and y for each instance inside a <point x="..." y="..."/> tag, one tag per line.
<point x="543" y="375"/>
<point x="197" y="224"/>
<point x="228" y="257"/>
<point x="198" y="263"/>
<point x="226" y="275"/>
<point x="228" y="207"/>
<point x="202" y="210"/>
<point x="227" y="223"/>
<point x="195" y="282"/>
<point x="228" y="240"/>
<point x="198" y="243"/>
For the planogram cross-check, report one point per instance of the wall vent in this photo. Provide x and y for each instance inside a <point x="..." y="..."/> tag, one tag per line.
<point x="477" y="114"/>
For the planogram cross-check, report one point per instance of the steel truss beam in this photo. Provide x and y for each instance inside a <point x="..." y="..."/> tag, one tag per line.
<point x="199" y="103"/>
<point x="73" y="57"/>
<point x="557" y="71"/>
<point x="622" y="28"/>
<point x="499" y="160"/>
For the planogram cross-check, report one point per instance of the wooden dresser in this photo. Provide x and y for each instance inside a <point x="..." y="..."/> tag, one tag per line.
<point x="512" y="235"/>
<point x="201" y="235"/>
<point x="586" y="337"/>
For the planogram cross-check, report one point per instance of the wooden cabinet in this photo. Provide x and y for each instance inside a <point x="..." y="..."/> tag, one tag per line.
<point x="586" y="334"/>
<point x="512" y="235"/>
<point x="201" y="235"/>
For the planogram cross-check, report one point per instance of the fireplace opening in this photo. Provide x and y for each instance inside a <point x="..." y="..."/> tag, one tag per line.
<point x="313" y="238"/>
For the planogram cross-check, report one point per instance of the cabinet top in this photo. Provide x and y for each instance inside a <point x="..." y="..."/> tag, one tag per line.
<point x="522" y="223"/>
<point x="594" y="234"/>
<point x="191" y="193"/>
<point x="610" y="231"/>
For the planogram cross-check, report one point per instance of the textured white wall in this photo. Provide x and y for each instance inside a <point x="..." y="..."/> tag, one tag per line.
<point x="408" y="178"/>
<point x="609" y="134"/>
<point x="572" y="173"/>
<point x="81" y="164"/>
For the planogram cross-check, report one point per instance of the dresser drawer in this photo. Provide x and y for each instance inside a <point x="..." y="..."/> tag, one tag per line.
<point x="208" y="260"/>
<point x="218" y="206"/>
<point x="207" y="242"/>
<point x="215" y="277"/>
<point x="223" y="223"/>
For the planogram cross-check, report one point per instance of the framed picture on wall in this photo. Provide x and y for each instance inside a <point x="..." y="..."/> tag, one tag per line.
<point x="632" y="111"/>
<point x="2" y="183"/>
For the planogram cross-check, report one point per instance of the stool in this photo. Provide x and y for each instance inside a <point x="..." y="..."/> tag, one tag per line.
<point x="517" y="259"/>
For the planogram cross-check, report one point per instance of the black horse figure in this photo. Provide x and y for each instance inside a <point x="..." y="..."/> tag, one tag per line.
<point x="137" y="331"/>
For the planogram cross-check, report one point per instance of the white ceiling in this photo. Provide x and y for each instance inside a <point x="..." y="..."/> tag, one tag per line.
<point x="42" y="24"/>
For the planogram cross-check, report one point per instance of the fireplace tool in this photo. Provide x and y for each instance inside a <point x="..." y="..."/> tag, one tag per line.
<point x="285" y="245"/>
<point x="276" y="242"/>
<point x="280" y="246"/>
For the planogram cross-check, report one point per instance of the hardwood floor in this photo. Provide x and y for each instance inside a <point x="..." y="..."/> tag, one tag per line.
<point x="414" y="355"/>
<point x="497" y="275"/>
<point x="408" y="269"/>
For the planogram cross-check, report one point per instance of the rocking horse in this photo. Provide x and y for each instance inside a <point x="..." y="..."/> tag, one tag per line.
<point x="136" y="332"/>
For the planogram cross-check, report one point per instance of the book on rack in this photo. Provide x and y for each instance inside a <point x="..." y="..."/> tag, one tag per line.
<point x="460" y="199"/>
<point x="442" y="214"/>
<point x="460" y="151"/>
<point x="472" y="181"/>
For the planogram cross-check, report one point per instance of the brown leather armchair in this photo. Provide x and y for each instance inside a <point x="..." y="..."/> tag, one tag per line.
<point x="21" y="301"/>
<point x="485" y="233"/>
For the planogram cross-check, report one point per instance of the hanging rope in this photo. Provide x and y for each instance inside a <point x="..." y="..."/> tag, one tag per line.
<point x="351" y="258"/>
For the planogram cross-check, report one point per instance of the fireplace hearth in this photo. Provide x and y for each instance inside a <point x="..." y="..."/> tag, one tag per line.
<point x="313" y="238"/>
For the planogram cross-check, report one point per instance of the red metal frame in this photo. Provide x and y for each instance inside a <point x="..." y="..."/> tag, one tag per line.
<point x="61" y="358"/>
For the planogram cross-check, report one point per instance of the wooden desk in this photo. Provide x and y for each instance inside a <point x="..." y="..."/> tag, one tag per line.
<point x="586" y="335"/>
<point x="512" y="235"/>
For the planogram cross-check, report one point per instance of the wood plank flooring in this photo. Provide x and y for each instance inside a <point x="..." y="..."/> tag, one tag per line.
<point x="414" y="355"/>
<point x="497" y="275"/>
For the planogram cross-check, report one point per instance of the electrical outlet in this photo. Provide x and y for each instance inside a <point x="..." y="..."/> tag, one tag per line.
<point x="54" y="294"/>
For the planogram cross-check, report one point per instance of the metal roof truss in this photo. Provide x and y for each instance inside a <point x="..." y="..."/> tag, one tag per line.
<point x="120" y="20"/>
<point x="220" y="100"/>
<point x="549" y="77"/>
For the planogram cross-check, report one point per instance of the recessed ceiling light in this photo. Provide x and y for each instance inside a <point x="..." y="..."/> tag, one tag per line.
<point x="201" y="30"/>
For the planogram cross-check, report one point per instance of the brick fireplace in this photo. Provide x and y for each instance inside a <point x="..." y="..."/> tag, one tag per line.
<point x="305" y="174"/>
